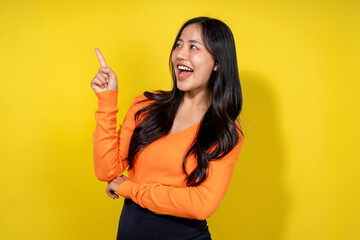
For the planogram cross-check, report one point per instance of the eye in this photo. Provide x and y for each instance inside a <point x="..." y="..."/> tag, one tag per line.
<point x="178" y="45"/>
<point x="193" y="47"/>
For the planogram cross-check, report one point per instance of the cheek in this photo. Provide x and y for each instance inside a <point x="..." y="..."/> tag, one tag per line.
<point x="210" y="65"/>
<point x="173" y="56"/>
<point x="203" y="60"/>
<point x="205" y="65"/>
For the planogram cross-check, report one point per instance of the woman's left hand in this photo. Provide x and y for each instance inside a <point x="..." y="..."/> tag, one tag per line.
<point x="113" y="185"/>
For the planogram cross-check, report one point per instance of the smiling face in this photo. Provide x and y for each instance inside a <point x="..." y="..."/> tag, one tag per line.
<point x="193" y="63"/>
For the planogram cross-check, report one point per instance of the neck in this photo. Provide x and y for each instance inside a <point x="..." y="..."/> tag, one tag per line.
<point x="198" y="101"/>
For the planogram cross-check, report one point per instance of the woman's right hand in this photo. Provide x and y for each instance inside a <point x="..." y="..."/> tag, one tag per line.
<point x="105" y="78"/>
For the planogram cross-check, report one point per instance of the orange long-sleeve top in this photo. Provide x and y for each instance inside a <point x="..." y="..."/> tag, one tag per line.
<point x="157" y="181"/>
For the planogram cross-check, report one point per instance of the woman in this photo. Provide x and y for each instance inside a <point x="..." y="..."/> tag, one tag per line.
<point x="180" y="145"/>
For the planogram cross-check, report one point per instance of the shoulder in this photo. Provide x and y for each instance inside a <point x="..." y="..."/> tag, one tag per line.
<point x="140" y="101"/>
<point x="236" y="149"/>
<point x="142" y="96"/>
<point x="240" y="134"/>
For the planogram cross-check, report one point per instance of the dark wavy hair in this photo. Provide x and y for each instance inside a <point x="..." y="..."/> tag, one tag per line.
<point x="218" y="126"/>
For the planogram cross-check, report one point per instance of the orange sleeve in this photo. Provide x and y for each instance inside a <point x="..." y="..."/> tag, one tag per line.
<point x="197" y="202"/>
<point x="110" y="147"/>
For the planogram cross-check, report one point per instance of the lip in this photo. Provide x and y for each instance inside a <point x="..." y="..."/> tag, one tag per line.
<point x="181" y="64"/>
<point x="177" y="71"/>
<point x="183" y="75"/>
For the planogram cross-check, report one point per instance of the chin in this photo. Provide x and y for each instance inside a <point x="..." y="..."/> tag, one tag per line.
<point x="182" y="86"/>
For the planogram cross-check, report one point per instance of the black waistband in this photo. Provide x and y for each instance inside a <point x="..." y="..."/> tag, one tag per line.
<point x="129" y="201"/>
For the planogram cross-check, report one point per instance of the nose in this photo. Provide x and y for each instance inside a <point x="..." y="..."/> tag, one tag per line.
<point x="182" y="54"/>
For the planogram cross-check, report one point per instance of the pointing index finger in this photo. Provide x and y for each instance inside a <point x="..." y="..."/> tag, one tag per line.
<point x="101" y="58"/>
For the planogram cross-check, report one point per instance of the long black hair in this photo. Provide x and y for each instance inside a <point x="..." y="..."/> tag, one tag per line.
<point x="218" y="126"/>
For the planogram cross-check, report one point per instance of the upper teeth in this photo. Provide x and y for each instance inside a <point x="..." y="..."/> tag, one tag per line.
<point x="184" y="68"/>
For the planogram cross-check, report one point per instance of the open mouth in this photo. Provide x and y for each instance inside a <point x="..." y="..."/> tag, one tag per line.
<point x="184" y="71"/>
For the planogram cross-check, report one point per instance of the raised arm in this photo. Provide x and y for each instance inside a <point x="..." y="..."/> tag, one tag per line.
<point x="198" y="202"/>
<point x="110" y="147"/>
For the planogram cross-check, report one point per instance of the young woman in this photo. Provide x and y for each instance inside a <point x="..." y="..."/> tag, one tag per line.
<point x="181" y="145"/>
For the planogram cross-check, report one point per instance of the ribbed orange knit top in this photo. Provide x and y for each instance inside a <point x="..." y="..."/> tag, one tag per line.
<point x="157" y="181"/>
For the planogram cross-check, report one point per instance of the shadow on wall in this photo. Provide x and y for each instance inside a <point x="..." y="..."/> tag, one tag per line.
<point x="255" y="204"/>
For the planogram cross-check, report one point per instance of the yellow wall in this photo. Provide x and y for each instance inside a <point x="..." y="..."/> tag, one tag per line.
<point x="298" y="172"/>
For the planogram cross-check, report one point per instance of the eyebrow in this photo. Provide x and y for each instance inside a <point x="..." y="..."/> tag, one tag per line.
<point x="192" y="41"/>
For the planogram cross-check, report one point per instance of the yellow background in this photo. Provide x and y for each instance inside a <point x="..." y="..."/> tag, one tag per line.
<point x="298" y="172"/>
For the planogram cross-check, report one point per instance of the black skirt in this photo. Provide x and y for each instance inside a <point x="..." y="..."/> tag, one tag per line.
<point x="137" y="223"/>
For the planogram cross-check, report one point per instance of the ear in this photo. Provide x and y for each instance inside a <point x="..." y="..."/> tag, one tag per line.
<point x="215" y="68"/>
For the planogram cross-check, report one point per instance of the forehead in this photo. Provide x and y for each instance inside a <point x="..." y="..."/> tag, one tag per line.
<point x="192" y="32"/>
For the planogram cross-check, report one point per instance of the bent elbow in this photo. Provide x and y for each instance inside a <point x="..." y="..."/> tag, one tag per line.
<point x="106" y="177"/>
<point x="204" y="211"/>
<point x="202" y="215"/>
<point x="107" y="170"/>
<point x="102" y="178"/>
